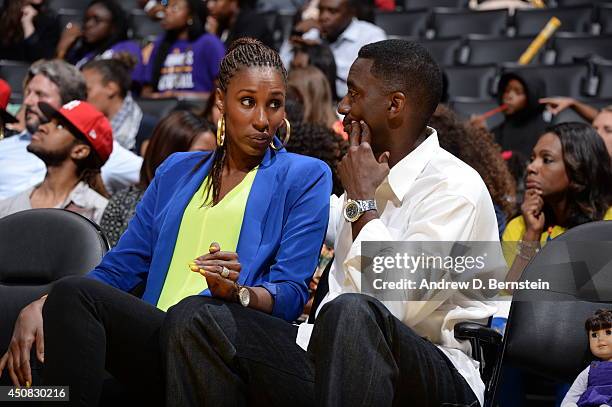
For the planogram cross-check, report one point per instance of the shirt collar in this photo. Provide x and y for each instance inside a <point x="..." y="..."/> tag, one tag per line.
<point x="351" y="33"/>
<point x="405" y="172"/>
<point x="24" y="135"/>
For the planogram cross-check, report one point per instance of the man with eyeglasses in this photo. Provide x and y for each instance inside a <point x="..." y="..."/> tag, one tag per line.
<point x="74" y="145"/>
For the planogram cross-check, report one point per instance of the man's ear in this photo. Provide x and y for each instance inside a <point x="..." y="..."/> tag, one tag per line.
<point x="396" y="104"/>
<point x="80" y="152"/>
<point x="220" y="100"/>
<point x="112" y="88"/>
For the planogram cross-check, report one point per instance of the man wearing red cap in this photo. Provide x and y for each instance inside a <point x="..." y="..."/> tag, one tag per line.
<point x="74" y="145"/>
<point x="5" y="117"/>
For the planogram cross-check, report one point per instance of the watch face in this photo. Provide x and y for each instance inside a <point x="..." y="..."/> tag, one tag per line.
<point x="351" y="211"/>
<point x="244" y="296"/>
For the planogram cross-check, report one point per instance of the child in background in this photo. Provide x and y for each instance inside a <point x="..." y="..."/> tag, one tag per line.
<point x="524" y="122"/>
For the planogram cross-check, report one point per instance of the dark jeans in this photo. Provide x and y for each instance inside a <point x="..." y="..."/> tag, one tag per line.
<point x="361" y="355"/>
<point x="91" y="328"/>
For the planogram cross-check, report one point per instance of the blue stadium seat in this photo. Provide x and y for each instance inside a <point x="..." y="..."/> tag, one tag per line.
<point x="408" y="23"/>
<point x="491" y="50"/>
<point x="453" y="22"/>
<point x="573" y="19"/>
<point x="472" y="81"/>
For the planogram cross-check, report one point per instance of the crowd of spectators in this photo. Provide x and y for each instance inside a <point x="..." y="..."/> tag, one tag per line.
<point x="83" y="138"/>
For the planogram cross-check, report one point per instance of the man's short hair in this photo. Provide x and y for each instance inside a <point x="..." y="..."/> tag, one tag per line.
<point x="607" y="109"/>
<point x="68" y="78"/>
<point x="407" y="67"/>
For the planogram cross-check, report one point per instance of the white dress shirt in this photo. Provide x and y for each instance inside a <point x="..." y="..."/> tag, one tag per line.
<point x="429" y="195"/>
<point x="21" y="170"/>
<point x="345" y="48"/>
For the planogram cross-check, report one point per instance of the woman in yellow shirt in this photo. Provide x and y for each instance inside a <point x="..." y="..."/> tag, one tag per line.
<point x="569" y="182"/>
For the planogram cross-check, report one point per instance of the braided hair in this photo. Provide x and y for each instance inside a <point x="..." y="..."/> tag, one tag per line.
<point x="243" y="53"/>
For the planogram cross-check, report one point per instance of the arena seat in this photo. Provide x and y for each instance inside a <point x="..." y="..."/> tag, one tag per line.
<point x="603" y="73"/>
<point x="70" y="15"/>
<point x="444" y="51"/>
<point x="38" y="247"/>
<point x="472" y="81"/>
<point x="419" y="4"/>
<point x="490" y="50"/>
<point x="13" y="72"/>
<point x="145" y="28"/>
<point x="465" y="107"/>
<point x="604" y="18"/>
<point x="453" y="22"/>
<point x="561" y="80"/>
<point x="70" y="4"/>
<point x="157" y="107"/>
<point x="573" y="19"/>
<point x="409" y="23"/>
<point x="570" y="48"/>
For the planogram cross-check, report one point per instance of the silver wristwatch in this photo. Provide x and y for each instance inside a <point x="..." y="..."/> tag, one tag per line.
<point x="353" y="209"/>
<point x="244" y="296"/>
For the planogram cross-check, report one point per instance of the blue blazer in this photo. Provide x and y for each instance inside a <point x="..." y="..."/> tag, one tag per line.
<point x="280" y="240"/>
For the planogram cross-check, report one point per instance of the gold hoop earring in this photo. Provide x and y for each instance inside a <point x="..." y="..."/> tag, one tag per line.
<point x="221" y="131"/>
<point x="287" y="137"/>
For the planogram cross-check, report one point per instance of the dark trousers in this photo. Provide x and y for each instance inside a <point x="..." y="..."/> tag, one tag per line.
<point x="91" y="328"/>
<point x="361" y="355"/>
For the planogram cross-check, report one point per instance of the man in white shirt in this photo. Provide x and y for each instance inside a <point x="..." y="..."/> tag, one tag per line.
<point x="400" y="186"/>
<point x="344" y="33"/>
<point x="55" y="82"/>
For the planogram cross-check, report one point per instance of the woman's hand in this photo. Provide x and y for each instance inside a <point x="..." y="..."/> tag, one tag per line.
<point x="28" y="13"/>
<point x="558" y="104"/>
<point x="212" y="266"/>
<point x="532" y="214"/>
<point x="69" y="36"/>
<point x="28" y="330"/>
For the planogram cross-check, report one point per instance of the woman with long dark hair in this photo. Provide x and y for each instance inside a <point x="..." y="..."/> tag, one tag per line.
<point x="249" y="217"/>
<point x="30" y="30"/>
<point x="103" y="34"/>
<point x="181" y="130"/>
<point x="568" y="183"/>
<point x="185" y="59"/>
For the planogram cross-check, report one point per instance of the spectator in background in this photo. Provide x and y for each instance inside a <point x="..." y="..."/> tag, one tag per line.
<point x="476" y="148"/>
<point x="338" y="25"/>
<point x="314" y="93"/>
<point x="108" y="88"/>
<point x="523" y="122"/>
<point x="184" y="61"/>
<point x="569" y="182"/>
<point x="5" y="117"/>
<point x="30" y="30"/>
<point x="179" y="131"/>
<point x="601" y="119"/>
<point x="319" y="141"/>
<point x="104" y="33"/>
<point x="55" y="82"/>
<point x="233" y="19"/>
<point x="74" y="145"/>
<point x="319" y="55"/>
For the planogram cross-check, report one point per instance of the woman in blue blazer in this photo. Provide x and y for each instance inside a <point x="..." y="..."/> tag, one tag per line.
<point x="91" y="323"/>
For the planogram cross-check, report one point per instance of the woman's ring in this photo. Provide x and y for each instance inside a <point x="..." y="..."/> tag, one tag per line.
<point x="225" y="272"/>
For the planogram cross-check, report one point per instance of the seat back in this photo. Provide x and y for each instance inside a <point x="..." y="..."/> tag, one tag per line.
<point x="14" y="72"/>
<point x="545" y="331"/>
<point x="573" y="19"/>
<point x="443" y="50"/>
<point x="452" y="22"/>
<point x="38" y="247"/>
<point x="472" y="81"/>
<point x="419" y="4"/>
<point x="560" y="80"/>
<point x="144" y="27"/>
<point x="605" y="18"/>
<point x="409" y="23"/>
<point x="568" y="49"/>
<point x="492" y="50"/>
<point x="603" y="71"/>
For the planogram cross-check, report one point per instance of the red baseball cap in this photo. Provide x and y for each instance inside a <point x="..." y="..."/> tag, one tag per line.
<point x="86" y="122"/>
<point x="5" y="95"/>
